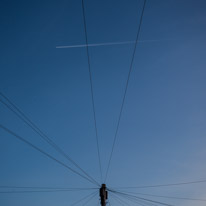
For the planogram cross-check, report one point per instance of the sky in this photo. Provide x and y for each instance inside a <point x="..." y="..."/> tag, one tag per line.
<point x="162" y="132"/>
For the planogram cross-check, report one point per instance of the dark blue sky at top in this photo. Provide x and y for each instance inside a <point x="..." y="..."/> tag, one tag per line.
<point x="162" y="132"/>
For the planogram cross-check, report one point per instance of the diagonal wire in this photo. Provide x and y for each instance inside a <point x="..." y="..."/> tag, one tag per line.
<point x="34" y="191"/>
<point x="89" y="199"/>
<point x="43" y="152"/>
<point x="165" y="185"/>
<point x="136" y="201"/>
<point x="163" y="196"/>
<point x="37" y="130"/>
<point x="140" y="198"/>
<point x="46" y="188"/>
<point x="125" y="91"/>
<point x="84" y="198"/>
<point x="143" y="203"/>
<point x="121" y="202"/>
<point x="98" y="203"/>
<point x="118" y="201"/>
<point x="91" y="87"/>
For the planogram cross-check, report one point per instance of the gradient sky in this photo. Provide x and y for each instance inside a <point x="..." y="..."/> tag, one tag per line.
<point x="162" y="134"/>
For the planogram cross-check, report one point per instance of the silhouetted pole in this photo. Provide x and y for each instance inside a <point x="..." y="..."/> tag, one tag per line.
<point x="103" y="195"/>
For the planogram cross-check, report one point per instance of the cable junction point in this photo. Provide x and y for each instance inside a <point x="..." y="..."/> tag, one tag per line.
<point x="103" y="194"/>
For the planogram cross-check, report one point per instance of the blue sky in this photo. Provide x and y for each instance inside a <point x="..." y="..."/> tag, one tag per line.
<point x="162" y="132"/>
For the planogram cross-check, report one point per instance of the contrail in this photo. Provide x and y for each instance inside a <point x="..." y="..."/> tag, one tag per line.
<point x="107" y="44"/>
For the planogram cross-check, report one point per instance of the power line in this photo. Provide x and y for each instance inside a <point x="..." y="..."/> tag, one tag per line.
<point x="141" y="198"/>
<point x="34" y="191"/>
<point x="117" y="200"/>
<point x="89" y="199"/>
<point x="91" y="86"/>
<point x="143" y="203"/>
<point x="109" y="203"/>
<point x="37" y="130"/>
<point x="98" y="203"/>
<point x="169" y="197"/>
<point x="47" y="188"/>
<point x="125" y="91"/>
<point x="41" y="151"/>
<point x="163" y="196"/>
<point x="136" y="198"/>
<point x="82" y="199"/>
<point x="121" y="202"/>
<point x="140" y="202"/>
<point x="164" y="185"/>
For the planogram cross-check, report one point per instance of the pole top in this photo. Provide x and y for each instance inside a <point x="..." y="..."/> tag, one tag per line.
<point x="103" y="185"/>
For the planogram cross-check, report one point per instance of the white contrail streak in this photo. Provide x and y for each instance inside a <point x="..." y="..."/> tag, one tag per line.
<point x="105" y="44"/>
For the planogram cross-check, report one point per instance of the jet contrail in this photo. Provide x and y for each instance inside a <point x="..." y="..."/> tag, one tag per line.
<point x="106" y="44"/>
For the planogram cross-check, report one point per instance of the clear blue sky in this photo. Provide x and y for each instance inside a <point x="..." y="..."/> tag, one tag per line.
<point x="162" y="134"/>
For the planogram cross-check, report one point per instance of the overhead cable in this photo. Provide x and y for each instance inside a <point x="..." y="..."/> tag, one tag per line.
<point x="91" y="88"/>
<point x="141" y="198"/>
<point x="163" y="196"/>
<point x="126" y="87"/>
<point x="90" y="199"/>
<point x="139" y="202"/>
<point x="84" y="198"/>
<point x="163" y="185"/>
<point x="46" y="188"/>
<point x="20" y="114"/>
<point x="35" y="191"/>
<point x="43" y="152"/>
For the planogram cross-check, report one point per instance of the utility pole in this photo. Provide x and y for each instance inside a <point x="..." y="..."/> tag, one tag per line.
<point x="103" y="194"/>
